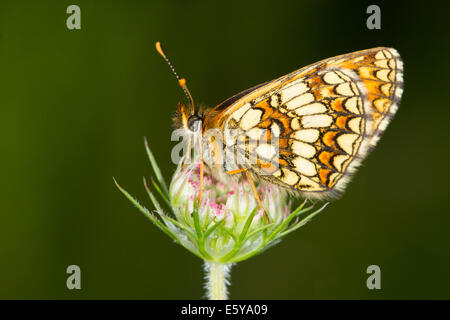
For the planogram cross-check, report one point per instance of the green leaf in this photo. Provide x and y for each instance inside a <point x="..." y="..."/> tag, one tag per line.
<point x="156" y="169"/>
<point x="248" y="222"/>
<point x="158" y="223"/>
<point x="212" y="228"/>
<point x="158" y="189"/>
<point x="236" y="247"/>
<point x="261" y="248"/>
<point x="228" y="232"/>
<point x="147" y="213"/>
<point x="196" y="217"/>
<point x="287" y="221"/>
<point x="152" y="197"/>
<point x="178" y="224"/>
<point x="260" y="229"/>
<point x="302" y="222"/>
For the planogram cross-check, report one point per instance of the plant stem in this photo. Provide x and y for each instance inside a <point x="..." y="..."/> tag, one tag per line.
<point x="217" y="275"/>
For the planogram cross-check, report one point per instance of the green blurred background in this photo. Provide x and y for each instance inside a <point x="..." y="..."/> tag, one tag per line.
<point x="75" y="106"/>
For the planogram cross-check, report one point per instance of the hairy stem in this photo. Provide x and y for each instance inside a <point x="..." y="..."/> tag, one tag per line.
<point x="217" y="279"/>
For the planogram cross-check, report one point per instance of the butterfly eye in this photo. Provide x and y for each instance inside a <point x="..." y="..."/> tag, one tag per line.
<point x="194" y="122"/>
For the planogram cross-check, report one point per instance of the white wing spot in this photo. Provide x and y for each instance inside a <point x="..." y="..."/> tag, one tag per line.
<point x="307" y="135"/>
<point x="346" y="141"/>
<point x="293" y="91"/>
<point x="380" y="55"/>
<point x="300" y="101"/>
<point x="251" y="118"/>
<point x="290" y="177"/>
<point x="352" y="104"/>
<point x="312" y="108"/>
<point x="383" y="74"/>
<point x="317" y="121"/>
<point x="295" y="124"/>
<point x="304" y="166"/>
<point x="382" y="63"/>
<point x="339" y="160"/>
<point x="305" y="181"/>
<point x="388" y="54"/>
<point x="237" y="115"/>
<point x="254" y="133"/>
<point x="266" y="151"/>
<point x="332" y="78"/>
<point x="275" y="128"/>
<point x="302" y="149"/>
<point x="274" y="101"/>
<point x="355" y="124"/>
<point x="346" y="89"/>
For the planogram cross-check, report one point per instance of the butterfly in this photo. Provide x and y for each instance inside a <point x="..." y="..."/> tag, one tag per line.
<point x="325" y="119"/>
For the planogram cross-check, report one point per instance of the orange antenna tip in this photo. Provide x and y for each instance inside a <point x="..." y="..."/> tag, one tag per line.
<point x="181" y="81"/>
<point x="159" y="49"/>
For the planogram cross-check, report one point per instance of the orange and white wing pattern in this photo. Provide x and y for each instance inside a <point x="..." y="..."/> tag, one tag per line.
<point x="326" y="117"/>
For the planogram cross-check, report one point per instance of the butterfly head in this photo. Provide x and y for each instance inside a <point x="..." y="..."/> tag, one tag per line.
<point x="194" y="122"/>
<point x="187" y="118"/>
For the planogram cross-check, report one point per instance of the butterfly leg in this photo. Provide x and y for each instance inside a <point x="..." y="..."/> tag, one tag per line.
<point x="188" y="154"/>
<point x="236" y="171"/>
<point x="200" y="193"/>
<point x="255" y="193"/>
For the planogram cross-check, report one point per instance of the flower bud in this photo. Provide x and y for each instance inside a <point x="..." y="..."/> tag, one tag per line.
<point x="228" y="225"/>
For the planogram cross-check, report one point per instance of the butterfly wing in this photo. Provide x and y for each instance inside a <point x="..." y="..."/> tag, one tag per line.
<point x="325" y="118"/>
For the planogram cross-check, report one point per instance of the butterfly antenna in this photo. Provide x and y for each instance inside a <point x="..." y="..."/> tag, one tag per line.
<point x="181" y="81"/>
